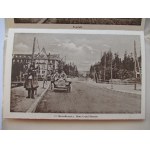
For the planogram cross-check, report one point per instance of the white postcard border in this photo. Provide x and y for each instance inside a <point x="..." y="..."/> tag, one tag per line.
<point x="70" y="116"/>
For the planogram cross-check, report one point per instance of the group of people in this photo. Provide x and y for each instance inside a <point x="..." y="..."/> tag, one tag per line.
<point x="56" y="76"/>
<point x="31" y="79"/>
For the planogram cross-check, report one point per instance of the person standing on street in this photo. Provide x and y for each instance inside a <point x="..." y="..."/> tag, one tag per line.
<point x="44" y="79"/>
<point x="31" y="83"/>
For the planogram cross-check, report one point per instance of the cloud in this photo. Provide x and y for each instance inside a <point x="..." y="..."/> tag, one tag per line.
<point x="88" y="47"/>
<point x="106" y="46"/>
<point x="77" y="49"/>
<point x="72" y="46"/>
<point x="21" y="47"/>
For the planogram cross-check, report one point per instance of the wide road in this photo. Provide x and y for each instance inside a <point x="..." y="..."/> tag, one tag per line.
<point x="88" y="98"/>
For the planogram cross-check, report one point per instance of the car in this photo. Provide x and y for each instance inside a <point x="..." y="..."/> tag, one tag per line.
<point x="61" y="84"/>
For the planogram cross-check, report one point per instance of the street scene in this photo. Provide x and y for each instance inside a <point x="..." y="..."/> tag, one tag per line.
<point x="89" y="98"/>
<point x="76" y="73"/>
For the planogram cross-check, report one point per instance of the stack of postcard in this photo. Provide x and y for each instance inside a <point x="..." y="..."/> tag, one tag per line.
<point x="74" y="68"/>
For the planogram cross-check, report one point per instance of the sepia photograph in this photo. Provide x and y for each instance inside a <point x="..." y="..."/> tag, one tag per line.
<point x="132" y="24"/>
<point x="100" y="21"/>
<point x="68" y="74"/>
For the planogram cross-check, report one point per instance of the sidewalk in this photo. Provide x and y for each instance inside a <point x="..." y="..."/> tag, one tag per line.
<point x="120" y="88"/>
<point x="19" y="102"/>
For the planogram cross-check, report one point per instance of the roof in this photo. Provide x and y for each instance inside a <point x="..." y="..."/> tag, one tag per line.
<point x="37" y="56"/>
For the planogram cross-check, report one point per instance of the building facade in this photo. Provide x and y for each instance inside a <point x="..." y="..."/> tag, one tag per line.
<point x="45" y="64"/>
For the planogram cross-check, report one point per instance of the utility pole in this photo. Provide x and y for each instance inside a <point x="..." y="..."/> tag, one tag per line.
<point x="135" y="65"/>
<point x="111" y="71"/>
<point x="104" y="65"/>
<point x="33" y="50"/>
<point x="101" y="55"/>
<point x="46" y="71"/>
<point x="69" y="70"/>
<point x="100" y="66"/>
<point x="65" y="59"/>
<point x="138" y="66"/>
<point x="46" y="67"/>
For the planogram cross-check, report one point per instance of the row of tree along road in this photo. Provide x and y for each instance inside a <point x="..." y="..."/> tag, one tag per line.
<point x="112" y="66"/>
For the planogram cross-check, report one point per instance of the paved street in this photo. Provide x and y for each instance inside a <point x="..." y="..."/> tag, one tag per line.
<point x="88" y="98"/>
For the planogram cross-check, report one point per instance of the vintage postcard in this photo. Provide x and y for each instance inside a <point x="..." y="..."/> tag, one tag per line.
<point x="105" y="21"/>
<point x="78" y="23"/>
<point x="74" y="74"/>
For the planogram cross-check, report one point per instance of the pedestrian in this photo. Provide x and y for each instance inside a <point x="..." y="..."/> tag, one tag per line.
<point x="31" y="82"/>
<point x="96" y="77"/>
<point x="56" y="76"/>
<point x="44" y="79"/>
<point x="63" y="75"/>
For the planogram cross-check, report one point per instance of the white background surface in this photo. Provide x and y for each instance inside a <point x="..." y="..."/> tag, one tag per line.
<point x="74" y="140"/>
<point x="65" y="8"/>
<point x="107" y="140"/>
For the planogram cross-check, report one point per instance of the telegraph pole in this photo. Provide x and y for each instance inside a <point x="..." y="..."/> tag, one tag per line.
<point x="104" y="65"/>
<point x="111" y="71"/>
<point x="100" y="66"/>
<point x="135" y="64"/>
<point x="65" y="59"/>
<point x="33" y="50"/>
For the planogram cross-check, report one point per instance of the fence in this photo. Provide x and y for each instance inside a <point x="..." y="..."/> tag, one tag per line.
<point x="119" y="82"/>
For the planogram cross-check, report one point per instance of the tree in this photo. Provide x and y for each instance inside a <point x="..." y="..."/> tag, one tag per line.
<point x="121" y="69"/>
<point x="71" y="69"/>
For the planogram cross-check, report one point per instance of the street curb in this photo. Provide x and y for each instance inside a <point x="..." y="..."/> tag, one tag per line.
<point x="123" y="92"/>
<point x="34" y="105"/>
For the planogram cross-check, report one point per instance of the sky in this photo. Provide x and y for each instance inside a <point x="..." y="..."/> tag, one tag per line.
<point x="83" y="50"/>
